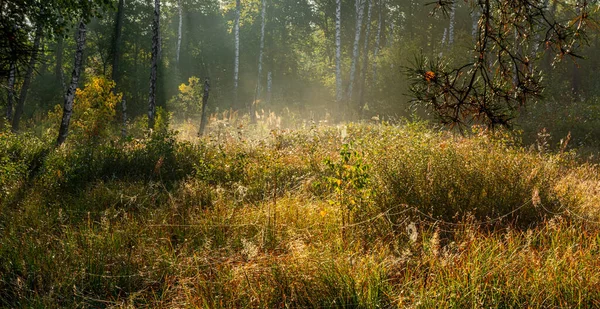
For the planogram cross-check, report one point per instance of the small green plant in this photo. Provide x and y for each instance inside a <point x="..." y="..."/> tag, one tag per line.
<point x="349" y="180"/>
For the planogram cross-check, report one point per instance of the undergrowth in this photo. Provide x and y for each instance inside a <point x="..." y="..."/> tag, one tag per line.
<point x="356" y="216"/>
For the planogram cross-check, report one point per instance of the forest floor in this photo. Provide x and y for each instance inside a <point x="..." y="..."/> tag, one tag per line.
<point x="355" y="216"/>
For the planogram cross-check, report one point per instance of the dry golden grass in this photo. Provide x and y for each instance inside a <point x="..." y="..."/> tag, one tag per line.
<point x="398" y="217"/>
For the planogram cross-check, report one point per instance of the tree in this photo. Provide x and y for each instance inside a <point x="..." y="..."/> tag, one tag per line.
<point x="179" y="29"/>
<point x="474" y="92"/>
<point x="117" y="41"/>
<point x="154" y="64"/>
<point x="70" y="96"/>
<point x="377" y="41"/>
<point x="203" y="114"/>
<point x="85" y="10"/>
<point x="116" y="57"/>
<point x="360" y="8"/>
<point x="451" y="24"/>
<point x="260" y="61"/>
<point x="338" y="52"/>
<point x="53" y="16"/>
<point x="236" y="62"/>
<point x="11" y="89"/>
<point x="361" y="95"/>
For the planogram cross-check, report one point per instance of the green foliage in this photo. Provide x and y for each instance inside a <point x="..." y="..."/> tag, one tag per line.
<point x="94" y="109"/>
<point x="350" y="183"/>
<point x="21" y="157"/>
<point x="189" y="100"/>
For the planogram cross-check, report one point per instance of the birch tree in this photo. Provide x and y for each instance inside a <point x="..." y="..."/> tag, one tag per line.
<point x="236" y="62"/>
<point x="360" y="7"/>
<point x="11" y="90"/>
<point x="365" y="58"/>
<point x="475" y="21"/>
<point x="377" y="41"/>
<point x="63" y="131"/>
<point x="338" y="52"/>
<point x="451" y="24"/>
<point x="179" y="29"/>
<point x="269" y="86"/>
<point x="260" y="61"/>
<point x="154" y="65"/>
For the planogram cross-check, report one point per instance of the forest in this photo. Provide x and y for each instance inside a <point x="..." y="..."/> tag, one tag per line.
<point x="299" y="154"/>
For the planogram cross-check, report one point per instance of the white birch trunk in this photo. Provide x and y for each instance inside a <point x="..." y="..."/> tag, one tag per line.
<point x="365" y="52"/>
<point x="390" y="39"/>
<point x="475" y="26"/>
<point x="443" y="44"/>
<point x="236" y="63"/>
<point x="179" y="29"/>
<point x="360" y="8"/>
<point x="269" y="86"/>
<point x="451" y="25"/>
<point x="377" y="42"/>
<point x="260" y="59"/>
<point x="70" y="95"/>
<point x="338" y="52"/>
<point x="154" y="65"/>
<point x="11" y="90"/>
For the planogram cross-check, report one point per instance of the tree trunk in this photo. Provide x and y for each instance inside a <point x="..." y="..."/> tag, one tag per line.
<point x="260" y="58"/>
<point x="70" y="95"/>
<point x="154" y="65"/>
<point x="179" y="29"/>
<point x="269" y="86"/>
<point x="363" y="70"/>
<point x="443" y="43"/>
<point x="338" y="53"/>
<point x="117" y="41"/>
<point x="576" y="77"/>
<point x="475" y="23"/>
<point x="11" y="90"/>
<point x="124" y="118"/>
<point x="360" y="7"/>
<point x="547" y="66"/>
<point x="451" y="25"/>
<point x="27" y="81"/>
<point x="203" y="117"/>
<point x="377" y="42"/>
<point x="116" y="76"/>
<point x="390" y="39"/>
<point x="236" y="62"/>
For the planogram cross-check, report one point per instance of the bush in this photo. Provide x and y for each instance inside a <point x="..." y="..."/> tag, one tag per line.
<point x="450" y="178"/>
<point x="21" y="157"/>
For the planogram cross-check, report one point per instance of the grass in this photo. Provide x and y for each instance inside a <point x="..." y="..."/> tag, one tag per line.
<point x="360" y="216"/>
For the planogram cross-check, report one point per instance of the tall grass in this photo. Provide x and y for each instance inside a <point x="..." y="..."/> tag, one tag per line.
<point x="360" y="216"/>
